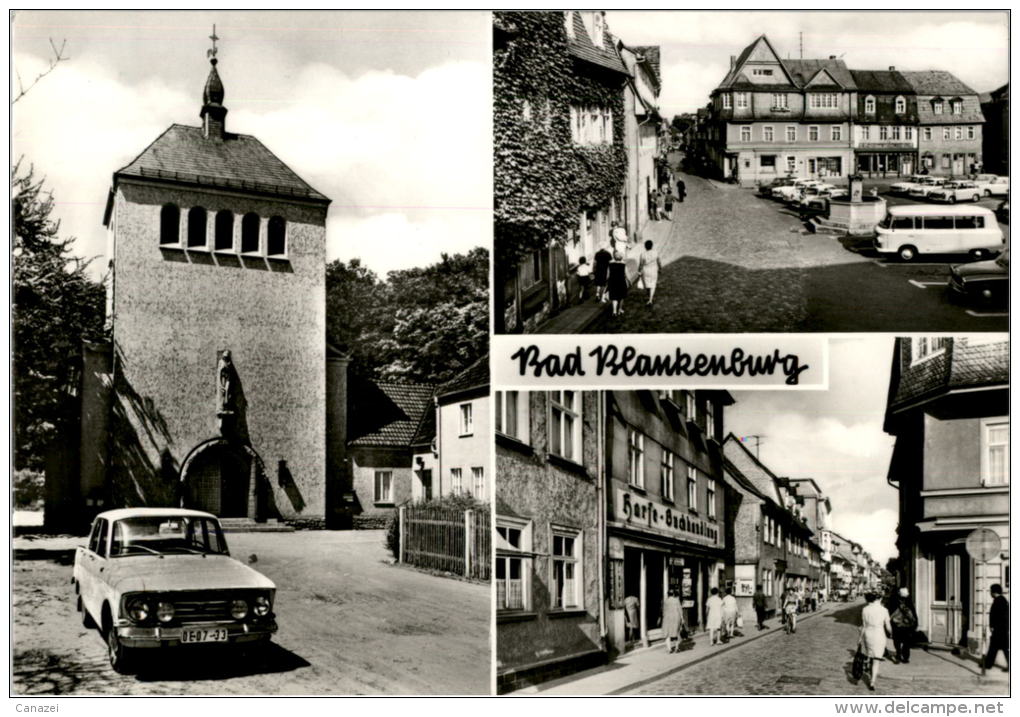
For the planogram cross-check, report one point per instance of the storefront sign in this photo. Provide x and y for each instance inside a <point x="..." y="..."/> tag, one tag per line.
<point x="640" y="512"/>
<point x="886" y="145"/>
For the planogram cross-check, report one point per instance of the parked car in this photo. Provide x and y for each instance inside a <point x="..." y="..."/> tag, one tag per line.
<point x="905" y="186"/>
<point x="766" y="190"/>
<point x="793" y="191"/>
<point x="958" y="190"/>
<point x="1002" y="211"/>
<point x="817" y="191"/>
<point x="990" y="184"/>
<point x="912" y="229"/>
<point x="926" y="186"/>
<point x="986" y="281"/>
<point x="163" y="578"/>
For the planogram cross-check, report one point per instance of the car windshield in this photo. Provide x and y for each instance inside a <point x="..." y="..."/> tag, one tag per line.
<point x="886" y="222"/>
<point x="158" y="535"/>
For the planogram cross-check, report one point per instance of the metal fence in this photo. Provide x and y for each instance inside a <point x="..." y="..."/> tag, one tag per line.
<point x="455" y="541"/>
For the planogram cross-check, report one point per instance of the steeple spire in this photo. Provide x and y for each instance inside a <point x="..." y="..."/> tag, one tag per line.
<point x="213" y="112"/>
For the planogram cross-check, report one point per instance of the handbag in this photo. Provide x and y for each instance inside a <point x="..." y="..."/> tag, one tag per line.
<point x="740" y="620"/>
<point x="857" y="669"/>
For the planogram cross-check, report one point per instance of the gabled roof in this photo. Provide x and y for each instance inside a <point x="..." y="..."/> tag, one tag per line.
<point x="238" y="161"/>
<point x="736" y="77"/>
<point x="582" y="47"/>
<point x="743" y="481"/>
<point x="651" y="56"/>
<point x="803" y="71"/>
<point x="475" y="376"/>
<point x="937" y="82"/>
<point x="386" y="415"/>
<point x="961" y="366"/>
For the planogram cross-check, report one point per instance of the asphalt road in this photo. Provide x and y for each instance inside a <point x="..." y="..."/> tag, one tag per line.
<point x="734" y="262"/>
<point x="350" y="623"/>
<point x="816" y="661"/>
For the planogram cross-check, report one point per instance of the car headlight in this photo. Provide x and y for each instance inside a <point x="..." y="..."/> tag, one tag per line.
<point x="165" y="611"/>
<point x="138" y="610"/>
<point x="262" y="606"/>
<point x="238" y="609"/>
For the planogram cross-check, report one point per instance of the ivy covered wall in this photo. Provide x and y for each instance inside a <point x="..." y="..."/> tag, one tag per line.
<point x="542" y="180"/>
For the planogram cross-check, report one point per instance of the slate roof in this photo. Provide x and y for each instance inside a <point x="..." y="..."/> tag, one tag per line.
<point x="238" y="161"/>
<point x="582" y="47"/>
<point x="387" y="414"/>
<point x="803" y="70"/>
<point x="652" y="56"/>
<point x="890" y="81"/>
<point x="961" y="366"/>
<point x="474" y="376"/>
<point x="936" y="82"/>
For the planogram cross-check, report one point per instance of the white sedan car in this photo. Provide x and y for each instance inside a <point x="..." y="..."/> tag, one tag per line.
<point x="958" y="190"/>
<point x="926" y="186"/>
<point x="793" y="192"/>
<point x="904" y="187"/>
<point x="990" y="184"/>
<point x="163" y="578"/>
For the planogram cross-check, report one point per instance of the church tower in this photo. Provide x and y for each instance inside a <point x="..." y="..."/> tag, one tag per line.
<point x="217" y="369"/>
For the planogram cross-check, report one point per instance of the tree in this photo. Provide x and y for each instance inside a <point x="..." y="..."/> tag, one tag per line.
<point x="356" y="319"/>
<point x="55" y="306"/>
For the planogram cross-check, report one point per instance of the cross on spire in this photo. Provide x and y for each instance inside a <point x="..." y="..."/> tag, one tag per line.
<point x="212" y="53"/>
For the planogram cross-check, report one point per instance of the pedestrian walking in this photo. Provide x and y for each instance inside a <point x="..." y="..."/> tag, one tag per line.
<point x="672" y="619"/>
<point x="631" y="608"/>
<point x="789" y="607"/>
<point x="681" y="190"/>
<point x="617" y="282"/>
<point x="649" y="265"/>
<point x="875" y="631"/>
<point x="583" y="276"/>
<point x="729" y="613"/>
<point x="903" y="618"/>
<point x="602" y="258"/>
<point x="713" y="617"/>
<point x="667" y="200"/>
<point x="619" y="234"/>
<point x="653" y="205"/>
<point x="660" y="204"/>
<point x="998" y="621"/>
<point x="759" y="603"/>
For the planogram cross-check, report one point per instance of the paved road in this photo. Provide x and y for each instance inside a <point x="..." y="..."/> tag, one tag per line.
<point x="816" y="661"/>
<point x="350" y="623"/>
<point x="734" y="262"/>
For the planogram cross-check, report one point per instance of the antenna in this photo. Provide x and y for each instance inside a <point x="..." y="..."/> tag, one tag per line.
<point x="757" y="442"/>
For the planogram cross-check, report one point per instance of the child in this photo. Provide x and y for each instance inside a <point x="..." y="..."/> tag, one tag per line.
<point x="583" y="275"/>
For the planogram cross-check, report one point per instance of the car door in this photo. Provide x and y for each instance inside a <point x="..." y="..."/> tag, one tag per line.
<point x="90" y="569"/>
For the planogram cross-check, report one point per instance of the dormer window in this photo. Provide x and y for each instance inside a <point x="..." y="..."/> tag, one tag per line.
<point x="170" y="225"/>
<point x="598" y="29"/>
<point x="936" y="106"/>
<point x="250" y="233"/>
<point x="761" y="72"/>
<point x="901" y="105"/>
<point x="957" y="107"/>
<point x="224" y="236"/>
<point x="276" y="237"/>
<point x="869" y="105"/>
<point x="196" y="228"/>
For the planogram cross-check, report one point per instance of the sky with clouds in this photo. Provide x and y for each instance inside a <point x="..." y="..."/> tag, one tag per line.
<point x="388" y="114"/>
<point x="835" y="437"/>
<point x="696" y="46"/>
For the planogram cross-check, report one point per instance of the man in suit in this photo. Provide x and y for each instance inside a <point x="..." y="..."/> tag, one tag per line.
<point x="998" y="621"/>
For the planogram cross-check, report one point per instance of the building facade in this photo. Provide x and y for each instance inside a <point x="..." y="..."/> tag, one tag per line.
<point x="949" y="412"/>
<point x="463" y="436"/>
<point x="641" y="133"/>
<point x="885" y="134"/>
<point x="549" y="535"/>
<point x="212" y="394"/>
<point x="949" y="123"/>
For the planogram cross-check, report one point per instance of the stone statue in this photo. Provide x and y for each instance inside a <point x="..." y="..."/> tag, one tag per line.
<point x="227" y="404"/>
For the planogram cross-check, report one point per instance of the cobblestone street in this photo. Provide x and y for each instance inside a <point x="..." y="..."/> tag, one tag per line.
<point x="816" y="661"/>
<point x="734" y="262"/>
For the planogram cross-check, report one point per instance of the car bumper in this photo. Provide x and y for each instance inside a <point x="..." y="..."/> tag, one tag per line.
<point x="133" y="636"/>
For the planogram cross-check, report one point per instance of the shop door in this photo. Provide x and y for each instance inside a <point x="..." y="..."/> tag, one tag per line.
<point x="958" y="165"/>
<point x="946" y="606"/>
<point x="906" y="166"/>
<point x="632" y="574"/>
<point x="655" y="591"/>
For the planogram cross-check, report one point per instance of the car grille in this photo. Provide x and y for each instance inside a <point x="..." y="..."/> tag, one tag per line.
<point x="200" y="607"/>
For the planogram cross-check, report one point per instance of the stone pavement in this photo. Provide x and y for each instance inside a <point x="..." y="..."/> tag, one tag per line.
<point x="814" y="661"/>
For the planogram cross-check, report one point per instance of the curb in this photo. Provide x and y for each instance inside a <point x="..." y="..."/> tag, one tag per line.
<point x="698" y="661"/>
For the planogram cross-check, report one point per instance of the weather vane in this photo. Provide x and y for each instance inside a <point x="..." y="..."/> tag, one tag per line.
<point x="212" y="53"/>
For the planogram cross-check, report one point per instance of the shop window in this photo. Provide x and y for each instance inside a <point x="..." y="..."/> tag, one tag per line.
<point x="923" y="348"/>
<point x="566" y="569"/>
<point x="768" y="161"/>
<point x="196" y="227"/>
<point x="710" y="500"/>
<point x="384" y="486"/>
<point x="467" y="422"/>
<point x="513" y="564"/>
<point x="224" y="239"/>
<point x="456" y="480"/>
<point x="565" y="424"/>
<point x="666" y="473"/>
<point x="995" y="451"/>
<point x="692" y="488"/>
<point x="635" y="458"/>
<point x="511" y="414"/>
<point x="170" y="224"/>
<point x="276" y="237"/>
<point x="250" y="233"/>
<point x="478" y="482"/>
<point x="869" y="105"/>
<point x="791" y="133"/>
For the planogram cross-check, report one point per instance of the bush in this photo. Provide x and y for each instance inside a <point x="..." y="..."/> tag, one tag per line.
<point x="455" y="501"/>
<point x="29" y="489"/>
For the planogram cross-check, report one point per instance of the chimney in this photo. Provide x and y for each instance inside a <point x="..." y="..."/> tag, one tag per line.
<point x="832" y="57"/>
<point x="892" y="68"/>
<point x="733" y="61"/>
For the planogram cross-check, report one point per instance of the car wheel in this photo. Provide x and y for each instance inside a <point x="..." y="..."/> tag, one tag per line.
<point x="86" y="620"/>
<point x="120" y="657"/>
<point x="988" y="192"/>
<point x="976" y="198"/>
<point x="952" y="199"/>
<point x="908" y="253"/>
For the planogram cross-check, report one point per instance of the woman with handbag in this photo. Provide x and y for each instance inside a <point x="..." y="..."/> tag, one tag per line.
<point x="875" y="630"/>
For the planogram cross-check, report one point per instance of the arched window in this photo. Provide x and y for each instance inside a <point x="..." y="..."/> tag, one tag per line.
<point x="250" y="233"/>
<point x="196" y="227"/>
<point x="276" y="237"/>
<point x="869" y="105"/>
<point x="901" y="105"/>
<point x="170" y="224"/>
<point x="224" y="240"/>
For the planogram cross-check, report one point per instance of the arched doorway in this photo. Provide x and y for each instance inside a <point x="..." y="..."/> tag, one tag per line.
<point x="221" y="478"/>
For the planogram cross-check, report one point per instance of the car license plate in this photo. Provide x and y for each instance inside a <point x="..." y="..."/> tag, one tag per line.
<point x="198" y="635"/>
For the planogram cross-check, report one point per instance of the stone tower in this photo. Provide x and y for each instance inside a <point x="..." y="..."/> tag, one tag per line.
<point x="216" y="377"/>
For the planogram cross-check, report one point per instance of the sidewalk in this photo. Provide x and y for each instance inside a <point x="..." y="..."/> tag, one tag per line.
<point x="645" y="664"/>
<point x="577" y="318"/>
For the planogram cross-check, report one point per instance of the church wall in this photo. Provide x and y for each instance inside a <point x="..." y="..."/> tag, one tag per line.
<point x="176" y="310"/>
